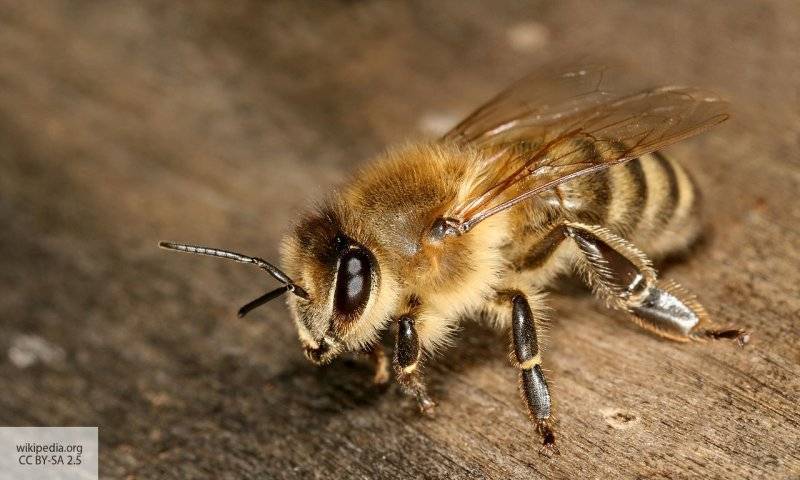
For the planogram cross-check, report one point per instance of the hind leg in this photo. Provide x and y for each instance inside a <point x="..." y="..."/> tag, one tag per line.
<point x="623" y="276"/>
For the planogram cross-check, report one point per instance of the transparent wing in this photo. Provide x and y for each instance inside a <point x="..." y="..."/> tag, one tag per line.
<point x="535" y="151"/>
<point x="541" y="98"/>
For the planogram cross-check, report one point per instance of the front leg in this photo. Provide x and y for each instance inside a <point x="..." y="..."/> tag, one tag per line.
<point x="377" y="354"/>
<point x="532" y="382"/>
<point x="406" y="362"/>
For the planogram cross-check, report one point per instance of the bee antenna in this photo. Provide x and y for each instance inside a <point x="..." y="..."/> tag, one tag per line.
<point x="275" y="272"/>
<point x="262" y="300"/>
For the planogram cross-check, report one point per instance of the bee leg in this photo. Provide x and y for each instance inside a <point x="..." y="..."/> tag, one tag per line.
<point x="532" y="382"/>
<point x="378" y="355"/>
<point x="622" y="275"/>
<point x="406" y="362"/>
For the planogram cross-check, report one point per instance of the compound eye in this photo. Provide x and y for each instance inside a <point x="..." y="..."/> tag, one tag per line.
<point x="353" y="281"/>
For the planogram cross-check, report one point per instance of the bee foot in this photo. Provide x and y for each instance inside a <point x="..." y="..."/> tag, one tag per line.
<point x="427" y="406"/>
<point x="548" y="447"/>
<point x="741" y="337"/>
<point x="381" y="376"/>
<point x="549" y="450"/>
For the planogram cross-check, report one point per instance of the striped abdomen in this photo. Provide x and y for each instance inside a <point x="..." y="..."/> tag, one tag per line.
<point x="651" y="201"/>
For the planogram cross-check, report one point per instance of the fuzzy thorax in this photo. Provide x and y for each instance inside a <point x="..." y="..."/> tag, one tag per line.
<point x="389" y="208"/>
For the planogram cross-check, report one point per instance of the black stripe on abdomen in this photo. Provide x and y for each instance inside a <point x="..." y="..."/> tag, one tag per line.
<point x="637" y="199"/>
<point x="595" y="197"/>
<point x="668" y="204"/>
<point x="592" y="193"/>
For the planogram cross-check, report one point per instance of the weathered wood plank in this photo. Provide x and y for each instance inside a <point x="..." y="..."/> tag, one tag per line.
<point x="128" y="122"/>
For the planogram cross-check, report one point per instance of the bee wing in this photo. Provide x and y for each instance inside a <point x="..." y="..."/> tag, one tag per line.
<point x="535" y="151"/>
<point x="540" y="98"/>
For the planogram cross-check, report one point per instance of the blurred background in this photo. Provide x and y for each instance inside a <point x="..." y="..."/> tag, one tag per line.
<point x="125" y="123"/>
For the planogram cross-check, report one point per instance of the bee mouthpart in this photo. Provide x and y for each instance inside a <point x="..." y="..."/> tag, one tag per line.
<point x="323" y="353"/>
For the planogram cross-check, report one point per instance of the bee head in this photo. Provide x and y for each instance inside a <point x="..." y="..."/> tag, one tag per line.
<point x="349" y="291"/>
<point x="342" y="297"/>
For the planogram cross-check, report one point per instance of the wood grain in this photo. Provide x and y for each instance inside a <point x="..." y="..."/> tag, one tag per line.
<point x="123" y="123"/>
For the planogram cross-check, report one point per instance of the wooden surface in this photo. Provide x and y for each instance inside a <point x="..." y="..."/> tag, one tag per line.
<point x="122" y="123"/>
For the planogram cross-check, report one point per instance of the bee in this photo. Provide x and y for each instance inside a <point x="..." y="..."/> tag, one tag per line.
<point x="557" y="174"/>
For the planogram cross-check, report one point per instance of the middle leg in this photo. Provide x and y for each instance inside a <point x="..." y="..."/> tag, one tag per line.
<point x="533" y="385"/>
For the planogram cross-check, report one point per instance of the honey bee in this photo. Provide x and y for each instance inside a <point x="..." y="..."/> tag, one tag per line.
<point x="556" y="174"/>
